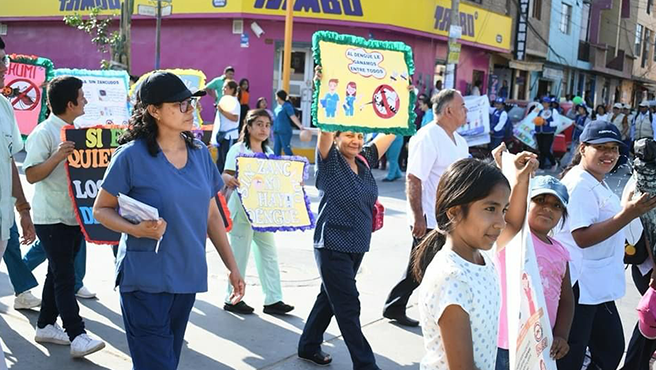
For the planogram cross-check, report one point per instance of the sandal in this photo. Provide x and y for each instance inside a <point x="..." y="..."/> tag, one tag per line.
<point x="320" y="358"/>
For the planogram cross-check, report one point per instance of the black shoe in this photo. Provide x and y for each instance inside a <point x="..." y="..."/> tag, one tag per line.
<point x="240" y="307"/>
<point x="320" y="358"/>
<point x="278" y="308"/>
<point x="402" y="319"/>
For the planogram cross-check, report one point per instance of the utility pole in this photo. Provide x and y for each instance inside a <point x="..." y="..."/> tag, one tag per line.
<point x="158" y="29"/>
<point x="454" y="47"/>
<point x="287" y="53"/>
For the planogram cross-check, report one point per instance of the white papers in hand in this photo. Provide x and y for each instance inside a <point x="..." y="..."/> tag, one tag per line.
<point x="136" y="212"/>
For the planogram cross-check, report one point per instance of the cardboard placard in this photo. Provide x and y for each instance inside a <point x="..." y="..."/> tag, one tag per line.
<point x="107" y="96"/>
<point x="364" y="85"/>
<point x="271" y="192"/>
<point x="86" y="168"/>
<point x="25" y="82"/>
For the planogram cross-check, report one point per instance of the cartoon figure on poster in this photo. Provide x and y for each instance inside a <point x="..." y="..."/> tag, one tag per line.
<point x="350" y="98"/>
<point x="329" y="102"/>
<point x="526" y="284"/>
<point x="374" y="76"/>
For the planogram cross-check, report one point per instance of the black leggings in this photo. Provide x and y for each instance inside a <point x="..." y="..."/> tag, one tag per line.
<point x="544" y="147"/>
<point x="599" y="328"/>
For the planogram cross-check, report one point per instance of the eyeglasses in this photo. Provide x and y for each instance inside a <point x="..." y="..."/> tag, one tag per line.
<point x="5" y="60"/>
<point x="189" y="103"/>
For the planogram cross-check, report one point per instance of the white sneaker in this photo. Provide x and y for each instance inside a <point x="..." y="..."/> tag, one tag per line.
<point x="25" y="301"/>
<point x="85" y="293"/>
<point x="52" y="334"/>
<point x="84" y="345"/>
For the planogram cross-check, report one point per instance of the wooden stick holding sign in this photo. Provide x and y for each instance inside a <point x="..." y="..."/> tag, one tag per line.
<point x="272" y="193"/>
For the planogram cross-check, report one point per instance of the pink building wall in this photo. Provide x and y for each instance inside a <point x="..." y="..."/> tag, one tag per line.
<point x="207" y="44"/>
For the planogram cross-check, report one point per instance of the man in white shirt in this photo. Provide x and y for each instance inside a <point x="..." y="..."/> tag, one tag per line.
<point x="434" y="148"/>
<point x="643" y="125"/>
<point x="11" y="190"/>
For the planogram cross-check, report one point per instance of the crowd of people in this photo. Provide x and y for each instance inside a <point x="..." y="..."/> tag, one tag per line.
<point x="462" y="214"/>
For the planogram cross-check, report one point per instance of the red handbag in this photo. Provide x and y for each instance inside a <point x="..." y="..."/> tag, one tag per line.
<point x="379" y="210"/>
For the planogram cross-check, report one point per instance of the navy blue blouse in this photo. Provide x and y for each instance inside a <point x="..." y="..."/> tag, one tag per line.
<point x="347" y="201"/>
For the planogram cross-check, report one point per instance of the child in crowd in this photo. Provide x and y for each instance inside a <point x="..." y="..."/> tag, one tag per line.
<point x="254" y="139"/>
<point x="459" y="296"/>
<point x="548" y="207"/>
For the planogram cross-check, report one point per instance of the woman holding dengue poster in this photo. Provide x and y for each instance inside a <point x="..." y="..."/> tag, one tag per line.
<point x="161" y="264"/>
<point x="254" y="138"/>
<point x="341" y="238"/>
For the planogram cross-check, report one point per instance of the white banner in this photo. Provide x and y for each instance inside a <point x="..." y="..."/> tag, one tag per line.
<point x="107" y="96"/>
<point x="524" y="131"/>
<point x="529" y="338"/>
<point x="477" y="129"/>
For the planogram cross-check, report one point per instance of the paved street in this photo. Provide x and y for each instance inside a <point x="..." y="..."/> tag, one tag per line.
<point x="217" y="339"/>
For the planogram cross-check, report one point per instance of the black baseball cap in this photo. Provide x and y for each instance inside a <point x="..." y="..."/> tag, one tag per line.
<point x="600" y="132"/>
<point x="165" y="87"/>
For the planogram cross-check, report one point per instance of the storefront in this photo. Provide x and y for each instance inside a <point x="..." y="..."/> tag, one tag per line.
<point x="248" y="34"/>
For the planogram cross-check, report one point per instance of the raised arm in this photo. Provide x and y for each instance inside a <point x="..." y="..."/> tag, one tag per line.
<point x="383" y="143"/>
<point x="525" y="164"/>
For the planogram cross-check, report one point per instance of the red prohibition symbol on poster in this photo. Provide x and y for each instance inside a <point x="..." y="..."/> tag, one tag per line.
<point x="28" y="97"/>
<point x="386" y="101"/>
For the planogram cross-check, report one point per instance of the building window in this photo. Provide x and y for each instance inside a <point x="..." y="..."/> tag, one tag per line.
<point x="536" y="11"/>
<point x="649" y="5"/>
<point x="647" y="46"/>
<point x="638" y="40"/>
<point x="565" y="17"/>
<point x="585" y="23"/>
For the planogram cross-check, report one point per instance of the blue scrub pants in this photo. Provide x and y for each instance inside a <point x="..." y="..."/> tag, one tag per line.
<point x="394" y="171"/>
<point x="338" y="297"/>
<point x="155" y="325"/>
<point x="282" y="143"/>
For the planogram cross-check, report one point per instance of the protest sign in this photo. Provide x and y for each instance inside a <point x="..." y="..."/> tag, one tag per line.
<point x="364" y="85"/>
<point x="477" y="129"/>
<point x="107" y="96"/>
<point x="530" y="338"/>
<point x="25" y="88"/>
<point x="271" y="192"/>
<point x="192" y="78"/>
<point x="86" y="168"/>
<point x="524" y="131"/>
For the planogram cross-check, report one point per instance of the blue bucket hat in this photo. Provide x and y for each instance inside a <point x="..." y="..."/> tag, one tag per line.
<point x="549" y="185"/>
<point x="600" y="132"/>
<point x="546" y="99"/>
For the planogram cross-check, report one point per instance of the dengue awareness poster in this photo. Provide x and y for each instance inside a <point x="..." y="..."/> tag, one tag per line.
<point x="192" y="78"/>
<point x="364" y="85"/>
<point x="477" y="129"/>
<point x="524" y="131"/>
<point x="25" y="88"/>
<point x="529" y="328"/>
<point x="107" y="96"/>
<point x="272" y="193"/>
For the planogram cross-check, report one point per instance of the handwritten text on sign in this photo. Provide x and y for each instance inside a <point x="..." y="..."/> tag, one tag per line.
<point x="86" y="168"/>
<point x="272" y="194"/>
